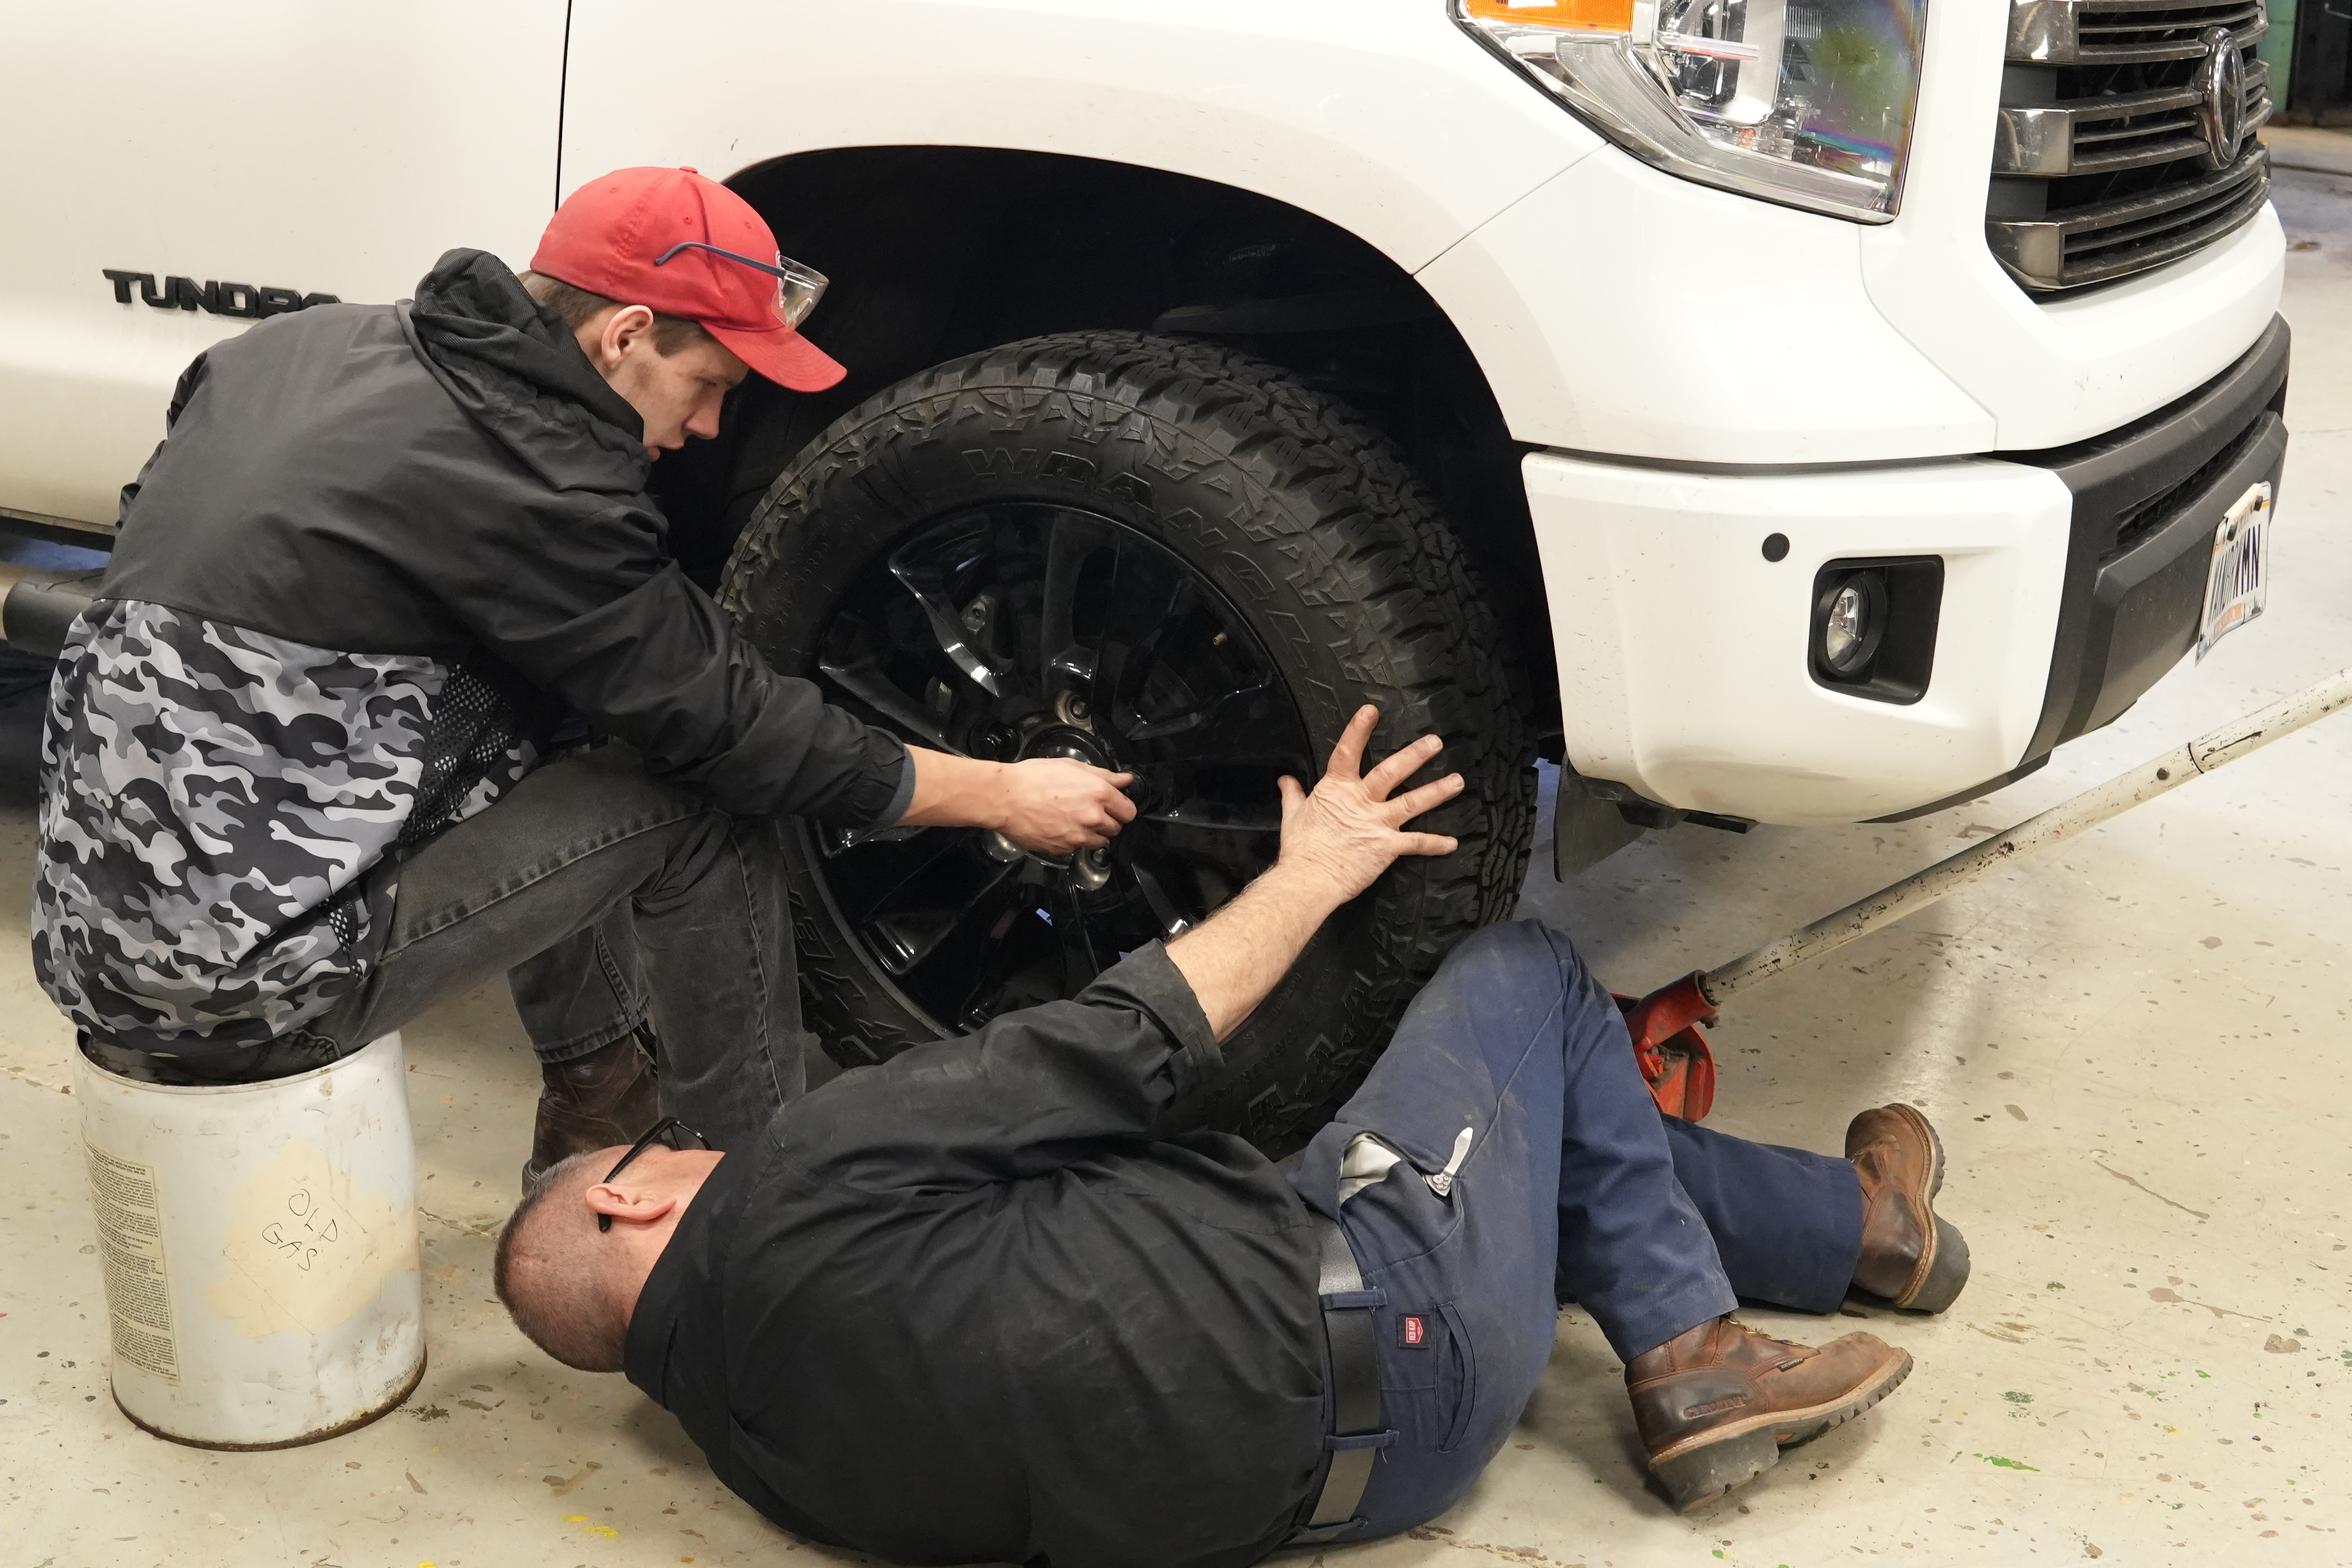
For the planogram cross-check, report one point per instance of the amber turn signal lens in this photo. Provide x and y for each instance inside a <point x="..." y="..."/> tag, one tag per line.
<point x="1582" y="16"/>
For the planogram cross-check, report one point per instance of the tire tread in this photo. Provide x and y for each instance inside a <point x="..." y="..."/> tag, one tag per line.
<point x="1320" y="489"/>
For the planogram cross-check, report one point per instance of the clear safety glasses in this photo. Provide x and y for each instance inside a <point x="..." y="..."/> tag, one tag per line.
<point x="798" y="288"/>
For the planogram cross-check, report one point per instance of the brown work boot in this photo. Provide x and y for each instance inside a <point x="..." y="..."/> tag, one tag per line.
<point x="1910" y="1258"/>
<point x="594" y="1102"/>
<point x="1717" y="1403"/>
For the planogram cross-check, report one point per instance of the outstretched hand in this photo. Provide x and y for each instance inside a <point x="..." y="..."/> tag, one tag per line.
<point x="1348" y="830"/>
<point x="1335" y="844"/>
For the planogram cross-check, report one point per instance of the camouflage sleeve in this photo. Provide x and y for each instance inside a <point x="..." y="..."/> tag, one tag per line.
<point x="211" y="801"/>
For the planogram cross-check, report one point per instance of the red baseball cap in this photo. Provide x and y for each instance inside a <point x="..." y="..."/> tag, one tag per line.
<point x="683" y="246"/>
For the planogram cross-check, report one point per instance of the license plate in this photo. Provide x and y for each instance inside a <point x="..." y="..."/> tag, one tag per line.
<point x="2238" y="580"/>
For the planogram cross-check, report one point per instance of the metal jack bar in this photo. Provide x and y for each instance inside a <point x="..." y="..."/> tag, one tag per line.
<point x="1673" y="1054"/>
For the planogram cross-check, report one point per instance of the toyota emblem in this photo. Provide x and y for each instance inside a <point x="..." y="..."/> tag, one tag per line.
<point x="2221" y="107"/>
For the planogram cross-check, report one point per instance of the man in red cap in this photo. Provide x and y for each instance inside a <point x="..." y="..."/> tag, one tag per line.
<point x="671" y="242"/>
<point x="385" y="560"/>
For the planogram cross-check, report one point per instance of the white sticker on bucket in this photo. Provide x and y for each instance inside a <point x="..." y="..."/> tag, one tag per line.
<point x="130" y="1244"/>
<point x="306" y="1248"/>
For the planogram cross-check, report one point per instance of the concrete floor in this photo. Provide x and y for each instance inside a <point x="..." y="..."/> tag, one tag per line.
<point x="2130" y="1048"/>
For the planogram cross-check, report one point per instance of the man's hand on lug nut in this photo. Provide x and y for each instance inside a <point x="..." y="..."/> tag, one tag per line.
<point x="1054" y="805"/>
<point x="1047" y="805"/>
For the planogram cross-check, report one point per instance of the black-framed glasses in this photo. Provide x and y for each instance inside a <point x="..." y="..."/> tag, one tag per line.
<point x="798" y="286"/>
<point x="664" y="1132"/>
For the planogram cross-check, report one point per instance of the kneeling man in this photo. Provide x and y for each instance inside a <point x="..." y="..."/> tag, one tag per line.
<point x="994" y="1300"/>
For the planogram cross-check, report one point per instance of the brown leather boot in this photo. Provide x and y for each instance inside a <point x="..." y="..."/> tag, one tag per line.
<point x="1717" y="1403"/>
<point x="607" y="1096"/>
<point x="1910" y="1257"/>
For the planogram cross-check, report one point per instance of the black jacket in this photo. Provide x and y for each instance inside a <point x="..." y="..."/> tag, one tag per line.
<point x="986" y="1302"/>
<point x="380" y="551"/>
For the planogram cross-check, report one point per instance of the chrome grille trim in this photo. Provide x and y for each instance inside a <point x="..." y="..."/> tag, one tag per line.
<point x="2124" y="32"/>
<point x="2126" y="136"/>
<point x="2128" y="237"/>
<point x="2122" y="131"/>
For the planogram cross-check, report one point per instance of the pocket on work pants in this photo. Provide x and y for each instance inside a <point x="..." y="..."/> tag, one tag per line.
<point x="1467" y="1332"/>
<point x="1429" y="1378"/>
<point x="1457" y="1378"/>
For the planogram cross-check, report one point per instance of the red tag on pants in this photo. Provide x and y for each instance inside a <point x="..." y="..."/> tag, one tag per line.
<point x="1412" y="1330"/>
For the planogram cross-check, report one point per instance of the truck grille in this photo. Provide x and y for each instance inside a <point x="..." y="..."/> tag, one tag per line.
<point x="2127" y="136"/>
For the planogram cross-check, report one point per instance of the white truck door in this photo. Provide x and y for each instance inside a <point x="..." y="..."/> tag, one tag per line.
<point x="172" y="175"/>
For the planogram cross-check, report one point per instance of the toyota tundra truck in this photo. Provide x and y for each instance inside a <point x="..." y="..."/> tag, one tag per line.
<point x="1780" y="411"/>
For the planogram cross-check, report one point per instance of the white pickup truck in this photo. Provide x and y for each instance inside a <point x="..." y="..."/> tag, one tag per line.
<point x="1794" y="411"/>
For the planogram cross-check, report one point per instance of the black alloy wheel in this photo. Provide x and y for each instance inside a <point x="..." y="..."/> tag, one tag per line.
<point x="1163" y="557"/>
<point x="1021" y="629"/>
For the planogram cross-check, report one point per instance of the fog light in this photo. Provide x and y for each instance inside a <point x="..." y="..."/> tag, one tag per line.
<point x="1872" y="634"/>
<point x="1851" y="620"/>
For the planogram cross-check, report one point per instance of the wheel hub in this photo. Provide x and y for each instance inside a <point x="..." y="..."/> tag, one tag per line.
<point x="1066" y="741"/>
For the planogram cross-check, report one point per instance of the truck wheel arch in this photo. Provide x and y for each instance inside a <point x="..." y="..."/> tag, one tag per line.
<point x="939" y="251"/>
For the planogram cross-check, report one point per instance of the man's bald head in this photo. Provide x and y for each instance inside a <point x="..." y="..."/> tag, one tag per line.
<point x="558" y="1274"/>
<point x="573" y="1287"/>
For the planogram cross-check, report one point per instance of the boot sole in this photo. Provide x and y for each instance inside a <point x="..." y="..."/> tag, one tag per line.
<point x="1944" y="1272"/>
<point x="1947" y="1272"/>
<point x="1707" y="1468"/>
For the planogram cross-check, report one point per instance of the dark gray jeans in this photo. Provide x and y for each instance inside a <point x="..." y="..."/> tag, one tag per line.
<point x="607" y="897"/>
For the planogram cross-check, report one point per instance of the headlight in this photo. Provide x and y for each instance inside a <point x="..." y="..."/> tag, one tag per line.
<point x="1803" y="101"/>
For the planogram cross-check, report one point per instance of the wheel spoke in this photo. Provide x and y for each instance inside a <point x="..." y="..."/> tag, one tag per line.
<point x="1145" y="588"/>
<point x="1155" y="897"/>
<point x="866" y="682"/>
<point x="906" y="941"/>
<point x="885" y="870"/>
<point x="1248" y="725"/>
<point x="1062" y="661"/>
<point x="832" y="841"/>
<point x="922" y="568"/>
<point x="1011" y="941"/>
<point x="1079" y="965"/>
<point x="1220" y="816"/>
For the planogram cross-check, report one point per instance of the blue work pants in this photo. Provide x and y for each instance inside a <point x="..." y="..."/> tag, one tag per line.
<point x="1654" y="1224"/>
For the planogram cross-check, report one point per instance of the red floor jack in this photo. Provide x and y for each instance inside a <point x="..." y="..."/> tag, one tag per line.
<point x="1673" y="1053"/>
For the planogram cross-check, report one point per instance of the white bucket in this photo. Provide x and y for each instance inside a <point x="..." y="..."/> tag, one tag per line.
<point x="259" y="1248"/>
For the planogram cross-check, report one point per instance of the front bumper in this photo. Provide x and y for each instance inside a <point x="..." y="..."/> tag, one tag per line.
<point x="2146" y="499"/>
<point x="2073" y="580"/>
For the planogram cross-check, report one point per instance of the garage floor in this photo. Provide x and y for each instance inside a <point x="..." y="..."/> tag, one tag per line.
<point x="2134" y="1050"/>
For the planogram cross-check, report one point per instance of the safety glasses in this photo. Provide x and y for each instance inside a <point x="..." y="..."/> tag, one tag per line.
<point x="798" y="288"/>
<point x="664" y="1132"/>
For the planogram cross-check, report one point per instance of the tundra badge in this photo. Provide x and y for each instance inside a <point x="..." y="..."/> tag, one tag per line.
<point x="220" y="298"/>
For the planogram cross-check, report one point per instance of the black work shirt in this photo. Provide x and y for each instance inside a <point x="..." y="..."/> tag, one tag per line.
<point x="980" y="1303"/>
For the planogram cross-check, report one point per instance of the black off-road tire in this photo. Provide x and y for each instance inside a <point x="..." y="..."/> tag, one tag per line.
<point x="1308" y="521"/>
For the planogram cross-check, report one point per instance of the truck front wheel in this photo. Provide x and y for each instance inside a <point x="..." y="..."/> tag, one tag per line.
<point x="1166" y="558"/>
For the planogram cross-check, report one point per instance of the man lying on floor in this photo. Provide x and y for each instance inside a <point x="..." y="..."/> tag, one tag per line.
<point x="993" y="1300"/>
